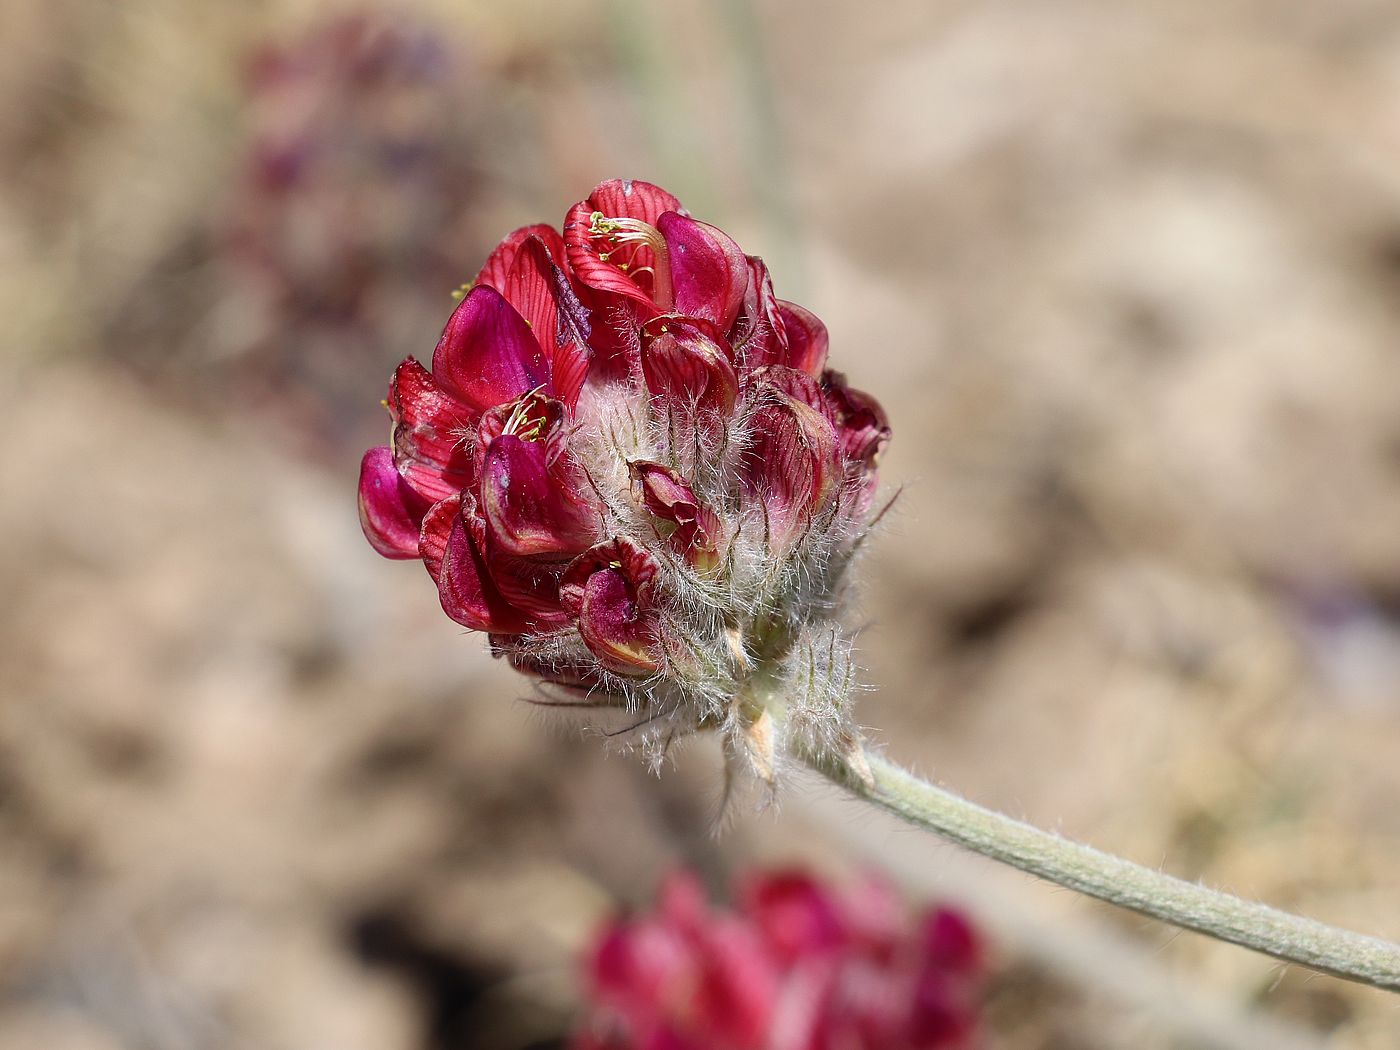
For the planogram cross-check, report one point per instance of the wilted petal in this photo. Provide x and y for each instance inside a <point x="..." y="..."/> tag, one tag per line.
<point x="534" y="508"/>
<point x="709" y="273"/>
<point x="610" y="590"/>
<point x="683" y="364"/>
<point x="807" y="338"/>
<point x="390" y="510"/>
<point x="487" y="354"/>
<point x="665" y="494"/>
<point x="571" y="354"/>
<point x="430" y="428"/>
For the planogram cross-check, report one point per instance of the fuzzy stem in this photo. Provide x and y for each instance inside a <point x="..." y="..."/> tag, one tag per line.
<point x="1292" y="938"/>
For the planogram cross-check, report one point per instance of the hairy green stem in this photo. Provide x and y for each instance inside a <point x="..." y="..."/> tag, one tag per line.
<point x="1292" y="938"/>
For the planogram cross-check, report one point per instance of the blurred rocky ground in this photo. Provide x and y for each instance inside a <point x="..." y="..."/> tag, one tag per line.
<point x="1126" y="278"/>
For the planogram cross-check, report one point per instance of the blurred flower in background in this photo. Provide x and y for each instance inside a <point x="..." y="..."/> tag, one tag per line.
<point x="795" y="965"/>
<point x="353" y="205"/>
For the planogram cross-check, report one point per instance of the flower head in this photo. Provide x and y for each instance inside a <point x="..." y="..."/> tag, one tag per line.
<point x="629" y="466"/>
<point x="797" y="965"/>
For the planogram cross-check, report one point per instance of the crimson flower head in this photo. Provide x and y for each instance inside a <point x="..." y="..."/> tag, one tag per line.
<point x="797" y="965"/>
<point x="629" y="465"/>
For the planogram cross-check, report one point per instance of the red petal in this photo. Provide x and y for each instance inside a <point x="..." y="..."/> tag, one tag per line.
<point x="437" y="526"/>
<point x="807" y="338"/>
<point x="633" y="199"/>
<point x="503" y="256"/>
<point x="797" y="915"/>
<point x="529" y="287"/>
<point x="487" y="354"/>
<point x="610" y="589"/>
<point x="709" y="273"/>
<point x="758" y="335"/>
<point x="390" y="510"/>
<point x="861" y="424"/>
<point x="533" y="508"/>
<point x="587" y="264"/>
<point x="617" y="199"/>
<point x="797" y="385"/>
<point x="666" y="495"/>
<point x="681" y="363"/>
<point x="531" y="587"/>
<point x="790" y="464"/>
<point x="465" y="587"/>
<point x="430" y="445"/>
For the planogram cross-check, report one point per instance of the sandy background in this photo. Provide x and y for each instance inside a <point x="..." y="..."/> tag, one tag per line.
<point x="1126" y="276"/>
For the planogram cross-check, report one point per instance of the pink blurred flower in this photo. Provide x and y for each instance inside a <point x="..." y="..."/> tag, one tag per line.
<point x="629" y="465"/>
<point x="797" y="966"/>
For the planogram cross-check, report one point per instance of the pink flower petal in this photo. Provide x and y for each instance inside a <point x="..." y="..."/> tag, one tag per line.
<point x="609" y="588"/>
<point x="465" y="587"/>
<point x="487" y="354"/>
<point x="789" y="466"/>
<point x="534" y="508"/>
<point x="668" y="496"/>
<point x="390" y="510"/>
<point x="806" y="337"/>
<point x="503" y="256"/>
<point x="431" y="448"/>
<point x="685" y="366"/>
<point x="709" y="273"/>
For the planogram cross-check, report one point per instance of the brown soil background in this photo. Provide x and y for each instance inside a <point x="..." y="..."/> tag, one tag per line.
<point x="1126" y="276"/>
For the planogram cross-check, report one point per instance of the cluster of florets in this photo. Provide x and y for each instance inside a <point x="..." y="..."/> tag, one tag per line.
<point x="797" y="966"/>
<point x="630" y="466"/>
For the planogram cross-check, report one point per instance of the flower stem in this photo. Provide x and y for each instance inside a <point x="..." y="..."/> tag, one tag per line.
<point x="1292" y="938"/>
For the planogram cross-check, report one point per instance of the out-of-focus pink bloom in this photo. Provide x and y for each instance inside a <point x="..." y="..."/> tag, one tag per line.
<point x="629" y="465"/>
<point x="797" y="965"/>
<point x="360" y="179"/>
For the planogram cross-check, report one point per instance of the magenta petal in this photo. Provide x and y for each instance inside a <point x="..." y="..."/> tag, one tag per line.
<point x="437" y="527"/>
<point x="806" y="336"/>
<point x="609" y="588"/>
<point x="465" y="587"/>
<point x="617" y="199"/>
<point x="758" y="335"/>
<point x="790" y="465"/>
<point x="390" y="510"/>
<point x="681" y="363"/>
<point x="861" y="424"/>
<point x="666" y="495"/>
<point x="487" y="354"/>
<point x="709" y="272"/>
<point x="534" y="508"/>
<point x="503" y="256"/>
<point x="633" y="199"/>
<point x="431" y="448"/>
